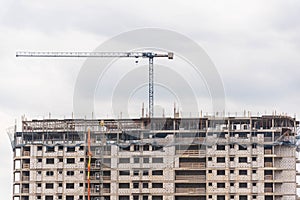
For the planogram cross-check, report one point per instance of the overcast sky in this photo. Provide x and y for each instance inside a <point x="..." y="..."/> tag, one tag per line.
<point x="255" y="46"/>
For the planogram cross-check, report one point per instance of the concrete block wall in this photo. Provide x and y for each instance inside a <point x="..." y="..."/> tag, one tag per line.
<point x="168" y="174"/>
<point x="285" y="188"/>
<point x="287" y="197"/>
<point x="260" y="197"/>
<point x="285" y="175"/>
<point x="38" y="172"/>
<point x="114" y="188"/>
<point x="214" y="177"/>
<point x="285" y="163"/>
<point x="285" y="151"/>
<point x="259" y="161"/>
<point x="115" y="161"/>
<point x="260" y="187"/>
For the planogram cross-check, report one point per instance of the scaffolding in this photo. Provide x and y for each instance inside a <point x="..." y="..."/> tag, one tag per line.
<point x="186" y="142"/>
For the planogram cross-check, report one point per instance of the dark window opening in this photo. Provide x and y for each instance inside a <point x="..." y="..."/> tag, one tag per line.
<point x="242" y="147"/>
<point x="220" y="172"/>
<point x="157" y="172"/>
<point x="49" y="186"/>
<point x="220" y="147"/>
<point x="220" y="159"/>
<point x="70" y="149"/>
<point x="157" y="185"/>
<point x="50" y="161"/>
<point x="242" y="159"/>
<point x="242" y="172"/>
<point x="70" y="185"/>
<point x="50" y="149"/>
<point x="70" y="160"/>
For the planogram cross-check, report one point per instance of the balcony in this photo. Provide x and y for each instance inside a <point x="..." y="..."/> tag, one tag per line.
<point x="99" y="153"/>
<point x="192" y="165"/>
<point x="25" y="190"/>
<point x="98" y="190"/>
<point x="26" y="166"/>
<point x="196" y="178"/>
<point x="106" y="190"/>
<point x="268" y="177"/>
<point x="268" y="151"/>
<point x="106" y="153"/>
<point x="26" y="153"/>
<point x="190" y="152"/>
<point x="25" y="178"/>
<point x="268" y="164"/>
<point x="97" y="166"/>
<point x="98" y="177"/>
<point x="191" y="190"/>
<point x="268" y="190"/>
<point x="106" y="177"/>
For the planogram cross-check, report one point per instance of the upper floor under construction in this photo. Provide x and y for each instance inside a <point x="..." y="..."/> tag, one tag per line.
<point x="212" y="158"/>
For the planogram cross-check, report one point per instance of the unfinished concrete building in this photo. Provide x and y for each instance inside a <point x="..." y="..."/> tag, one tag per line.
<point x="232" y="158"/>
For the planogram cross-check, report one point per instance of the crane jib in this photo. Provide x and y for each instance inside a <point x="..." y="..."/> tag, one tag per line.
<point x="149" y="55"/>
<point x="94" y="54"/>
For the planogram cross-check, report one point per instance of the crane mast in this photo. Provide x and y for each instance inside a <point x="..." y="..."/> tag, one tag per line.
<point x="149" y="55"/>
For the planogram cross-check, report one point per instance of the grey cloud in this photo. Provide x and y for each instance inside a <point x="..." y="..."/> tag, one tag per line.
<point x="255" y="46"/>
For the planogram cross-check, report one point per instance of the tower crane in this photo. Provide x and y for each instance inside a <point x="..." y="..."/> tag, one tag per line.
<point x="149" y="55"/>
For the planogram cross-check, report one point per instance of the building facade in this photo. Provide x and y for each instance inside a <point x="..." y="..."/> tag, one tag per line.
<point x="207" y="158"/>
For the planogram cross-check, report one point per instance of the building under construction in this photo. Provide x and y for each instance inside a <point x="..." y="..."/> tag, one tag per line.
<point x="206" y="158"/>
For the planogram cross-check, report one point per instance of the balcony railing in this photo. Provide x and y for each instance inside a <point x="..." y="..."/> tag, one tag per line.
<point x="268" y="189"/>
<point x="190" y="152"/>
<point x="268" y="177"/>
<point x="98" y="166"/>
<point x="268" y="151"/>
<point x="26" y="153"/>
<point x="101" y="153"/>
<point x="26" y="166"/>
<point x="98" y="190"/>
<point x="190" y="190"/>
<point x="25" y="178"/>
<point x="268" y="164"/>
<point x="98" y="177"/>
<point x="25" y="190"/>
<point x="191" y="165"/>
<point x="191" y="177"/>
